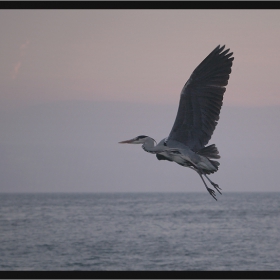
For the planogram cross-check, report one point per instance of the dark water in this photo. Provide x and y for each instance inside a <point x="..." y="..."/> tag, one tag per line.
<point x="174" y="231"/>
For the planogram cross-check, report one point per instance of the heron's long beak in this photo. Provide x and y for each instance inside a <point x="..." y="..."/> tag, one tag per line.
<point x="127" y="141"/>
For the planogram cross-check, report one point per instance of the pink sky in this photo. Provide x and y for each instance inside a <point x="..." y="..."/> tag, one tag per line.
<point x="135" y="55"/>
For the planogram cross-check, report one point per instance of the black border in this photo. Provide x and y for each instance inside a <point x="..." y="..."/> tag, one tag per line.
<point x="140" y="274"/>
<point x="139" y="4"/>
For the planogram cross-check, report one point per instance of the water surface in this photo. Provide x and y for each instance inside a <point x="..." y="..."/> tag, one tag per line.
<point x="140" y="231"/>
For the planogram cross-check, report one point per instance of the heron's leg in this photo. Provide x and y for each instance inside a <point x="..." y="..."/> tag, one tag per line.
<point x="216" y="186"/>
<point x="212" y="192"/>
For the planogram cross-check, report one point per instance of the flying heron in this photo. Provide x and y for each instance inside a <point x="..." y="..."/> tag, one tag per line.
<point x="199" y="108"/>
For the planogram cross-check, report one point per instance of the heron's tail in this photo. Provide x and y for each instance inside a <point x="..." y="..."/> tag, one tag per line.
<point x="210" y="151"/>
<point x="215" y="163"/>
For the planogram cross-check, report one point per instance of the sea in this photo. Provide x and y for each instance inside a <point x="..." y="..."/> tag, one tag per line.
<point x="139" y="231"/>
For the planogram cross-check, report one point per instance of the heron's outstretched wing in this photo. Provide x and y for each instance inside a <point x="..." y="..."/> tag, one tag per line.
<point x="201" y="100"/>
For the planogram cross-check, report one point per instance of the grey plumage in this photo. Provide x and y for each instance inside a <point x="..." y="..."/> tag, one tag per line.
<point x="201" y="100"/>
<point x="198" y="113"/>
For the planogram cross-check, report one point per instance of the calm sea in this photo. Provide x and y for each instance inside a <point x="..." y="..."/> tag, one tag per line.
<point x="144" y="231"/>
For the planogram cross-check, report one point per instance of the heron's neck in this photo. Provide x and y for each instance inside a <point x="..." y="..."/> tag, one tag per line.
<point x="149" y="145"/>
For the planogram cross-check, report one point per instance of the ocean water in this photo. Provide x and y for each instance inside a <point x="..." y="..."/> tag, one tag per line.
<point x="140" y="231"/>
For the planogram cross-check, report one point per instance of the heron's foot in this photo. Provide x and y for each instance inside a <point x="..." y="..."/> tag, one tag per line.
<point x="216" y="186"/>
<point x="212" y="193"/>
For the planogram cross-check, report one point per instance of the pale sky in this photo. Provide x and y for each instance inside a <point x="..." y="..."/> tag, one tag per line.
<point x="135" y="55"/>
<point x="75" y="82"/>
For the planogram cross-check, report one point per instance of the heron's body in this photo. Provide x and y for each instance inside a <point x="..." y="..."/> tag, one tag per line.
<point x="197" y="116"/>
<point x="173" y="150"/>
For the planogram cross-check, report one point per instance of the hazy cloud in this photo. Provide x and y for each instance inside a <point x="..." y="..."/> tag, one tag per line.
<point x="24" y="45"/>
<point x="17" y="66"/>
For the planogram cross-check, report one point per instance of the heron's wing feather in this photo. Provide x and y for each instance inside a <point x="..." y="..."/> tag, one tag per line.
<point x="201" y="100"/>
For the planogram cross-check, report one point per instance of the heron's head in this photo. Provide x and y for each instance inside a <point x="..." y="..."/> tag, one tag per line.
<point x="137" y="140"/>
